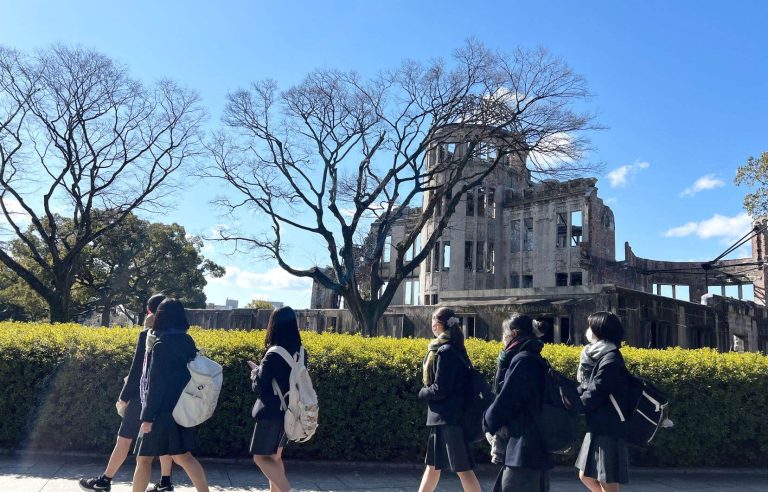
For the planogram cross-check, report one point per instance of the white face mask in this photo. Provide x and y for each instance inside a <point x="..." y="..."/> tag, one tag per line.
<point x="591" y="336"/>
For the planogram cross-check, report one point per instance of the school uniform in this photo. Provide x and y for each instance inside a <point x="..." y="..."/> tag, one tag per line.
<point x="269" y="430"/>
<point x="447" y="447"/>
<point x="526" y="461"/>
<point x="129" y="426"/>
<point x="168" y="375"/>
<point x="603" y="455"/>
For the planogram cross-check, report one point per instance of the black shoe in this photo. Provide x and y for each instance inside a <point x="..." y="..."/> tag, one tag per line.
<point x="95" y="484"/>
<point x="161" y="488"/>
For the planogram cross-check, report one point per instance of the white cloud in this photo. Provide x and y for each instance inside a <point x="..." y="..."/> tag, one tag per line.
<point x="274" y="279"/>
<point x="620" y="176"/>
<point x="708" y="182"/>
<point x="19" y="216"/>
<point x="730" y="229"/>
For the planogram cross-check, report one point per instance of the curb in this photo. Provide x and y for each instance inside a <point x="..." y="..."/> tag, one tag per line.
<point x="399" y="465"/>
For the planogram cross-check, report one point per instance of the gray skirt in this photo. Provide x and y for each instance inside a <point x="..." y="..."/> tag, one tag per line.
<point x="604" y="458"/>
<point x="448" y="450"/>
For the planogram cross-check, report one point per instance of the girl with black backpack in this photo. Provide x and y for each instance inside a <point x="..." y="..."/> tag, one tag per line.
<point x="603" y="459"/>
<point x="445" y="377"/>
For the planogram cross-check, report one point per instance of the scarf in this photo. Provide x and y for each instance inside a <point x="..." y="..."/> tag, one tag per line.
<point x="513" y="347"/>
<point x="590" y="355"/>
<point x="429" y="360"/>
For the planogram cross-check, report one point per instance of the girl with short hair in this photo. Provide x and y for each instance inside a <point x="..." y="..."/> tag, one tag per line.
<point x="603" y="458"/>
<point x="167" y="360"/>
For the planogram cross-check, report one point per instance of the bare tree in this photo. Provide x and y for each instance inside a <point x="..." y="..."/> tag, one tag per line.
<point x="325" y="156"/>
<point x="80" y="138"/>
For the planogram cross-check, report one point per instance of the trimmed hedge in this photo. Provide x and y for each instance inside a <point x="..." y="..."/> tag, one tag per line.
<point x="59" y="384"/>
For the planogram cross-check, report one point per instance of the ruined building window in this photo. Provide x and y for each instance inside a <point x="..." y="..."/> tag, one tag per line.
<point x="527" y="282"/>
<point x="514" y="280"/>
<point x="446" y="256"/>
<point x="515" y="242"/>
<point x="414" y="250"/>
<point x="468" y="255"/>
<point x="428" y="266"/>
<point x="491" y="203"/>
<point x="438" y="206"/>
<point x="382" y="289"/>
<point x="481" y="201"/>
<point x="416" y="297"/>
<point x="576" y="227"/>
<point x="408" y="293"/>
<point x="491" y="260"/>
<point x="426" y="299"/>
<point x="434" y="298"/>
<point x="561" y="279"/>
<point x="436" y="257"/>
<point x="470" y="203"/>
<point x="480" y="256"/>
<point x="387" y="249"/>
<point x="528" y="238"/>
<point x="448" y="197"/>
<point x="562" y="229"/>
<point x="576" y="278"/>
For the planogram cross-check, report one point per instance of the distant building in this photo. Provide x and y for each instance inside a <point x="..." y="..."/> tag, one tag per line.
<point x="228" y="305"/>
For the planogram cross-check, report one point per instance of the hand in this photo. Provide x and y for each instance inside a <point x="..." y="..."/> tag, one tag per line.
<point x="146" y="427"/>
<point x="254" y="370"/>
<point x="121" y="404"/>
<point x="252" y="365"/>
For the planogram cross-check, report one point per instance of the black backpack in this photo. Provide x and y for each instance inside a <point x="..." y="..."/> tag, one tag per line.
<point x="478" y="398"/>
<point x="561" y="409"/>
<point x="650" y="410"/>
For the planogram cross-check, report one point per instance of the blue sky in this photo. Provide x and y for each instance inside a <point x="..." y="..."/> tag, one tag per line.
<point x="681" y="87"/>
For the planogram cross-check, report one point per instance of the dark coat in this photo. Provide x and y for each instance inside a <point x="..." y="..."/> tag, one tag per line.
<point x="272" y="366"/>
<point x="610" y="377"/>
<point x="446" y="395"/>
<point x="520" y="395"/>
<point x="130" y="389"/>
<point x="168" y="373"/>
<point x="502" y="364"/>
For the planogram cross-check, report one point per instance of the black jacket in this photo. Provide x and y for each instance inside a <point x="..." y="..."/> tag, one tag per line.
<point x="609" y="377"/>
<point x="168" y="373"/>
<point x="520" y="396"/>
<point x="446" y="395"/>
<point x="130" y="389"/>
<point x="272" y="366"/>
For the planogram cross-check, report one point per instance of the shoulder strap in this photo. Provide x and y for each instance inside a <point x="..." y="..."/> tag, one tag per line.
<point x="288" y="358"/>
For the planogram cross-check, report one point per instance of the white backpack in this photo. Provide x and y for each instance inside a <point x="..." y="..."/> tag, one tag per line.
<point x="300" y="402"/>
<point x="198" y="400"/>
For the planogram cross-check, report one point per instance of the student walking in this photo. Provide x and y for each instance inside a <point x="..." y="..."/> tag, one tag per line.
<point x="160" y="435"/>
<point x="603" y="459"/>
<point x="445" y="377"/>
<point x="526" y="462"/>
<point x="269" y="437"/>
<point x="129" y="406"/>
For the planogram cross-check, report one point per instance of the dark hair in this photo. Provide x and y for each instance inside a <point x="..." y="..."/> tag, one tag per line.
<point x="283" y="330"/>
<point x="606" y="326"/>
<point x="520" y="323"/>
<point x="170" y="316"/>
<point x="154" y="302"/>
<point x="444" y="314"/>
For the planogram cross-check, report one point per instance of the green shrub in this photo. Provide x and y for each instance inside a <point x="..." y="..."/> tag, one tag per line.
<point x="60" y="383"/>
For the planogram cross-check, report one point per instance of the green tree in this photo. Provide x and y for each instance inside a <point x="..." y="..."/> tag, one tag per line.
<point x="259" y="304"/>
<point x="755" y="173"/>
<point x="139" y="258"/>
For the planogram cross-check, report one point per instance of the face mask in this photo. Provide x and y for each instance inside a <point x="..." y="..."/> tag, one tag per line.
<point x="591" y="336"/>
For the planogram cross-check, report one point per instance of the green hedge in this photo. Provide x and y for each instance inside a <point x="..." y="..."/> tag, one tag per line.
<point x="59" y="384"/>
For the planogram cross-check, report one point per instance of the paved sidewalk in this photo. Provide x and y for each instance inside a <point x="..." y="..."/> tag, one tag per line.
<point x="44" y="473"/>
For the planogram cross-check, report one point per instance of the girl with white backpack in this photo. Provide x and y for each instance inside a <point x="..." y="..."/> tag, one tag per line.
<point x="284" y="359"/>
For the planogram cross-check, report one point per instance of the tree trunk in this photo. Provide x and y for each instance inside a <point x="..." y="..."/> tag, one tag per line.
<point x="59" y="312"/>
<point x="106" y="313"/>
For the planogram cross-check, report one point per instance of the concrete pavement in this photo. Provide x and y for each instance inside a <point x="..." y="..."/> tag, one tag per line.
<point x="57" y="473"/>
